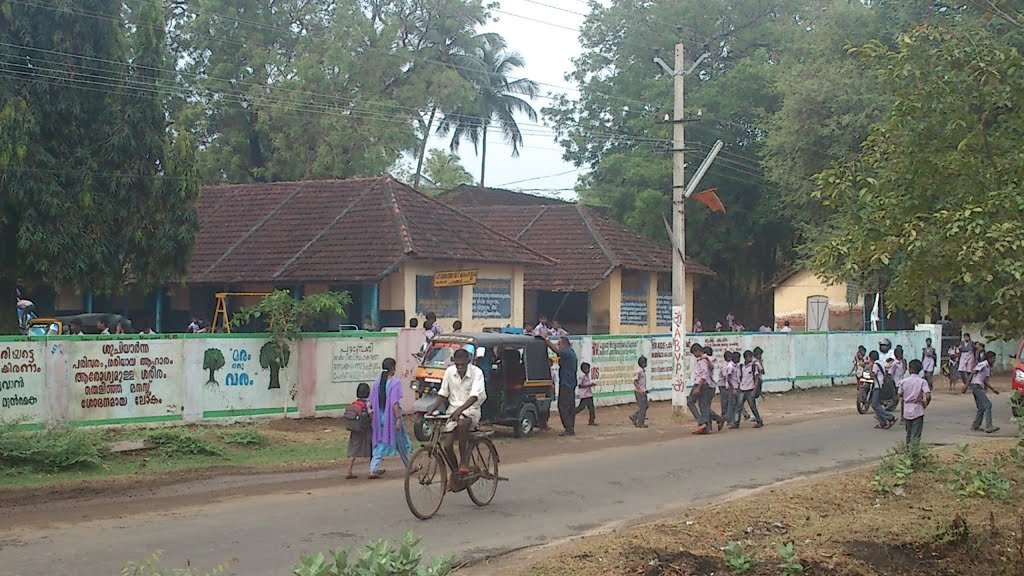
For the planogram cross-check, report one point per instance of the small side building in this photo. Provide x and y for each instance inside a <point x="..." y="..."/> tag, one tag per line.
<point x="809" y="303"/>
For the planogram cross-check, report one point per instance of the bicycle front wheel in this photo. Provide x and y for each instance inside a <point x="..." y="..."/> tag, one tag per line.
<point x="483" y="461"/>
<point x="425" y="483"/>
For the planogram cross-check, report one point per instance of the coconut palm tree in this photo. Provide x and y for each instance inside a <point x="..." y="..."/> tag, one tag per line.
<point x="499" y="100"/>
<point x="458" y="53"/>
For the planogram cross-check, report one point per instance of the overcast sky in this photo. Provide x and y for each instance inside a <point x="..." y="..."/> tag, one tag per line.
<point x="548" y="51"/>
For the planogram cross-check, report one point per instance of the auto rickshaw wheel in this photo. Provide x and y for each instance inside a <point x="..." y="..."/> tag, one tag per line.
<point x="527" y="422"/>
<point x="423" y="429"/>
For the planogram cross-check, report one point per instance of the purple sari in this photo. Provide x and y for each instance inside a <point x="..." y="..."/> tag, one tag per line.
<point x="383" y="419"/>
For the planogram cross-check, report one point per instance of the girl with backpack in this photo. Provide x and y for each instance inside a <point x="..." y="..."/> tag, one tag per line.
<point x="357" y="420"/>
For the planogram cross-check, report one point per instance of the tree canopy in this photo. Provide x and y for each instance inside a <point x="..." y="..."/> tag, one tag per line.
<point x="933" y="204"/>
<point x="96" y="192"/>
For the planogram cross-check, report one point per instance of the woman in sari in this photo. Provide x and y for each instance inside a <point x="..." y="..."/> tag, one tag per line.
<point x="388" y="425"/>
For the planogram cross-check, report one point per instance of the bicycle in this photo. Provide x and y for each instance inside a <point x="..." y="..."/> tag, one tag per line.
<point x="429" y="468"/>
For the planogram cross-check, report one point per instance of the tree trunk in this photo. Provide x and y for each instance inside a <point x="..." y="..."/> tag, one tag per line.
<point x="483" y="157"/>
<point x="423" y="149"/>
<point x="211" y="380"/>
<point x="275" y="376"/>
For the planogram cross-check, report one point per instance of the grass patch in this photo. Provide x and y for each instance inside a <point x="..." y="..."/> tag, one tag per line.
<point x="180" y="450"/>
<point x="27" y="451"/>
<point x="176" y="442"/>
<point x="898" y="518"/>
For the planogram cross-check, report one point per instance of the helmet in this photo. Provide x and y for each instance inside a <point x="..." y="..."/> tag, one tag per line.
<point x="885" y="342"/>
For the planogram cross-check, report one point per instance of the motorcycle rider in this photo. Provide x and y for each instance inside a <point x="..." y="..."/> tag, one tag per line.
<point x="885" y="418"/>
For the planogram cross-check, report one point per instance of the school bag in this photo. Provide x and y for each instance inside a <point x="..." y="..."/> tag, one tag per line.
<point x="356" y="417"/>
<point x="888" y="391"/>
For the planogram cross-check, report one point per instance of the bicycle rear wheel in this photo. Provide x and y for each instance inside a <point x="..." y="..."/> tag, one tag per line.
<point x="483" y="461"/>
<point x="425" y="483"/>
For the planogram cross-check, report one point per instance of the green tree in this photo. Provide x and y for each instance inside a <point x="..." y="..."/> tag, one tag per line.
<point x="933" y="204"/>
<point x="284" y="317"/>
<point x="616" y="127"/>
<point x="213" y="360"/>
<point x="499" y="100"/>
<point x="445" y="171"/>
<point x="308" y="89"/>
<point x="95" y="192"/>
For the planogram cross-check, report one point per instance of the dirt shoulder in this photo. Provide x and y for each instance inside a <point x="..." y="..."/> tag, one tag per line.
<point x="313" y="449"/>
<point x="838" y="524"/>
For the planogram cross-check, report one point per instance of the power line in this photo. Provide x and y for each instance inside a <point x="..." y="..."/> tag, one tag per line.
<point x="540" y="177"/>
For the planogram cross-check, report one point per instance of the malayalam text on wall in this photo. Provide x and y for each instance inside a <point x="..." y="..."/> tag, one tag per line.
<point x="124" y="380"/>
<point x="22" y="382"/>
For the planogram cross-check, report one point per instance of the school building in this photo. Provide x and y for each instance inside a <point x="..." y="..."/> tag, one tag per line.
<point x="518" y="256"/>
<point x="607" y="280"/>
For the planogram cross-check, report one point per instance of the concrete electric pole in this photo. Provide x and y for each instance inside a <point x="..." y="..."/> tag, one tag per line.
<point x="680" y="192"/>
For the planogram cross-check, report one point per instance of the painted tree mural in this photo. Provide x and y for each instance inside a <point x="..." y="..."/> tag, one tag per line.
<point x="213" y="360"/>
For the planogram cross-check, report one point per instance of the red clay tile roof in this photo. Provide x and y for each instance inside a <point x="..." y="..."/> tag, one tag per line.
<point x="334" y="231"/>
<point x="477" y="197"/>
<point x="586" y="246"/>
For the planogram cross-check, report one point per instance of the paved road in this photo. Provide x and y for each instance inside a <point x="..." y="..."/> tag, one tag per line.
<point x="546" y="500"/>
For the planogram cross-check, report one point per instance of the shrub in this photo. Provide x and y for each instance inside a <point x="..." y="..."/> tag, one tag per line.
<point x="48" y="450"/>
<point x="970" y="478"/>
<point x="248" y="436"/>
<point x="897" y="466"/>
<point x="738" y="560"/>
<point x="376" y="559"/>
<point x="789" y="563"/>
<point x="180" y="442"/>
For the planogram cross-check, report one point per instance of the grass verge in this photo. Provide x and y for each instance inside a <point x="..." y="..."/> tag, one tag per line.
<point x="952" y="511"/>
<point x="44" y="459"/>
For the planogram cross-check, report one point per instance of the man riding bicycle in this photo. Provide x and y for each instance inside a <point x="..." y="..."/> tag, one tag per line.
<point x="463" y="387"/>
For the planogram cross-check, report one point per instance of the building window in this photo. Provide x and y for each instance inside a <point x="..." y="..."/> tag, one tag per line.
<point x="633" y="309"/>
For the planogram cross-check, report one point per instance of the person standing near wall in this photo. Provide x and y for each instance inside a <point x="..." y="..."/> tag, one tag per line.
<point x="568" y="364"/>
<point x="967" y="360"/>
<point x="928" y="362"/>
<point x="639" y="418"/>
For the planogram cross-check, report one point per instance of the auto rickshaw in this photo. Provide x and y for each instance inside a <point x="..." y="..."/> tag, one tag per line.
<point x="45" y="327"/>
<point x="517" y="377"/>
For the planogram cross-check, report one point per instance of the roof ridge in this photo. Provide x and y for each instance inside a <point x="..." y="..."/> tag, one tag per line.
<point x="400" y="221"/>
<point x="612" y="260"/>
<point x="316" y="238"/>
<point x="543" y="211"/>
<point x="266" y="218"/>
<point x="539" y="256"/>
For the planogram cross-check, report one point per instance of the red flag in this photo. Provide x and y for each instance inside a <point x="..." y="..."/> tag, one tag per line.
<point x="710" y="199"/>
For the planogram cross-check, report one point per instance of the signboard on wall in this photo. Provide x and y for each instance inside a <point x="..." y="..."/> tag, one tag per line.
<point x="455" y="278"/>
<point x="445" y="302"/>
<point x="664" y="309"/>
<point x="614" y="361"/>
<point x="633" y="310"/>
<point x="22" y="382"/>
<point x="125" y="380"/>
<point x="492" y="299"/>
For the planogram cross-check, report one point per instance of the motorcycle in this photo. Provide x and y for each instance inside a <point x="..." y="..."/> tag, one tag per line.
<point x="426" y="397"/>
